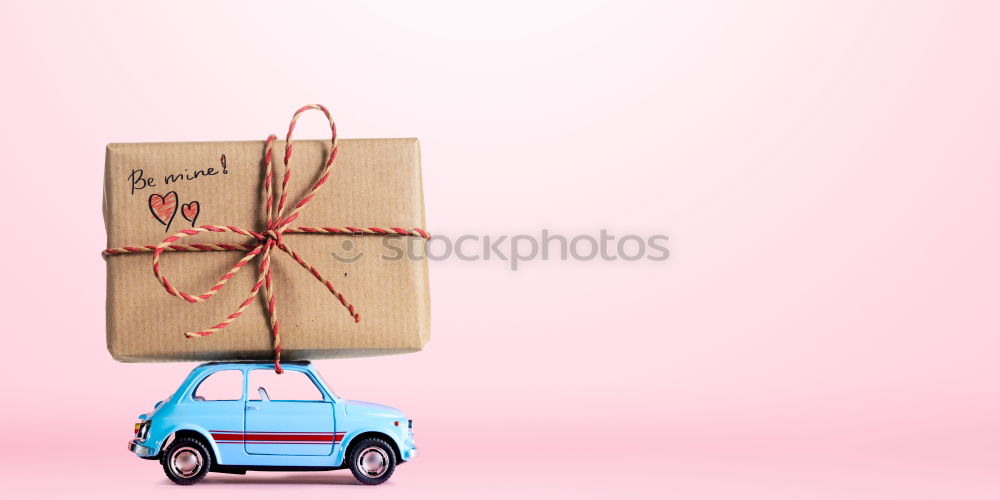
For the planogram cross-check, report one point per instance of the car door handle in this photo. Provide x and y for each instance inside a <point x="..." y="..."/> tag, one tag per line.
<point x="253" y="407"/>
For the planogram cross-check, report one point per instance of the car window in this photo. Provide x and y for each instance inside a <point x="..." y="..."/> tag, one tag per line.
<point x="288" y="386"/>
<point x="223" y="385"/>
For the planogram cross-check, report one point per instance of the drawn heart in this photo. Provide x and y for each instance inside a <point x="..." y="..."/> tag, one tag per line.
<point x="190" y="211"/>
<point x="163" y="207"/>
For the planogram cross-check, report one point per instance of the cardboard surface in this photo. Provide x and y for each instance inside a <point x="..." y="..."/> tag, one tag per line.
<point x="375" y="182"/>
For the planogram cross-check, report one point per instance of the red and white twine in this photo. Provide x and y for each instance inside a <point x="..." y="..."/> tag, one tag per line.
<point x="266" y="242"/>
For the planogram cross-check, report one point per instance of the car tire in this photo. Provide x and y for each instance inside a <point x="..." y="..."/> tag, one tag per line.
<point x="372" y="461"/>
<point x="186" y="461"/>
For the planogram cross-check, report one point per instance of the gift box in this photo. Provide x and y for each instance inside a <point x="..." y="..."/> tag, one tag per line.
<point x="346" y="276"/>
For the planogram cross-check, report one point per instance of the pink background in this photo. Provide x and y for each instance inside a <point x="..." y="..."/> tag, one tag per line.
<point x="826" y="325"/>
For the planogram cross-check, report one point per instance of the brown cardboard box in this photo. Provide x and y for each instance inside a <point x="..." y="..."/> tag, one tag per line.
<point x="374" y="183"/>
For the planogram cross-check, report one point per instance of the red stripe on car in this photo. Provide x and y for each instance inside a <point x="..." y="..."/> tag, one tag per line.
<point x="278" y="437"/>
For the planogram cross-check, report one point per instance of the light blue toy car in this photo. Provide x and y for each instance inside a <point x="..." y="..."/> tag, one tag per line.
<point x="239" y="416"/>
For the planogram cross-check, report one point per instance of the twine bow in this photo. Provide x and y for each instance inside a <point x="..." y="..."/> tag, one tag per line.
<point x="266" y="241"/>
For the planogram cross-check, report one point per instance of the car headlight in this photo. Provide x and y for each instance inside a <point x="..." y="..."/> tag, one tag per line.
<point x="143" y="430"/>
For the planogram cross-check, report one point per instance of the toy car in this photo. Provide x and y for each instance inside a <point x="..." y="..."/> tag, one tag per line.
<point x="239" y="416"/>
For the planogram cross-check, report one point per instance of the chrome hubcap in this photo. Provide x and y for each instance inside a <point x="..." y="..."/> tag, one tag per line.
<point x="373" y="461"/>
<point x="186" y="462"/>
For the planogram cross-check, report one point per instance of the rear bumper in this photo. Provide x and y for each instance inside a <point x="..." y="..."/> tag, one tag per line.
<point x="136" y="447"/>
<point x="409" y="453"/>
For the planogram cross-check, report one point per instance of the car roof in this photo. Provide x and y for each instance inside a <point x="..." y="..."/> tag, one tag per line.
<point x="259" y="363"/>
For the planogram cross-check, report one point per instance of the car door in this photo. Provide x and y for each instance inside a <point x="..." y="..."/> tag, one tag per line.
<point x="217" y="404"/>
<point x="287" y="414"/>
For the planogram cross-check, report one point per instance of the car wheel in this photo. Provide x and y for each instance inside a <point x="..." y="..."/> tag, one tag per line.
<point x="186" y="461"/>
<point x="372" y="461"/>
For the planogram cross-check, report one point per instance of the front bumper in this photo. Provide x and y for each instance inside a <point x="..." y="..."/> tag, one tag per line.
<point x="138" y="449"/>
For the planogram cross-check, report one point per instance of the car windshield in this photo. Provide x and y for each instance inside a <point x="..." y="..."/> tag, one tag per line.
<point x="323" y="381"/>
